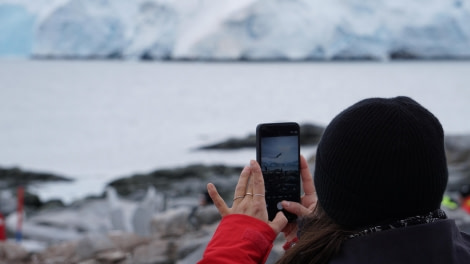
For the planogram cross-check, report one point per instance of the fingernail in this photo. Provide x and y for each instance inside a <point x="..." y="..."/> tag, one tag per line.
<point x="252" y="163"/>
<point x="285" y="204"/>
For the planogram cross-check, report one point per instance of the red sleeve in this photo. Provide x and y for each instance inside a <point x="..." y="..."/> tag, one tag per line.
<point x="240" y="239"/>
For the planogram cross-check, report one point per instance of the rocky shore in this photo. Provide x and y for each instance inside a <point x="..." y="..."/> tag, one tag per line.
<point x="155" y="217"/>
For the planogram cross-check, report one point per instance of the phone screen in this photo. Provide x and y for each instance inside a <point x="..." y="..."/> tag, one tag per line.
<point x="278" y="154"/>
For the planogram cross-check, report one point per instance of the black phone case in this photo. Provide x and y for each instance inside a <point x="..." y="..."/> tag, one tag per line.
<point x="280" y="184"/>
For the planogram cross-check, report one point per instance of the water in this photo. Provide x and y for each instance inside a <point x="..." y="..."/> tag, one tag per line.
<point x="95" y="121"/>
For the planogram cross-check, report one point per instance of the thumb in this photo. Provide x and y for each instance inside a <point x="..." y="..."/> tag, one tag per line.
<point x="279" y="222"/>
<point x="218" y="201"/>
<point x="295" y="208"/>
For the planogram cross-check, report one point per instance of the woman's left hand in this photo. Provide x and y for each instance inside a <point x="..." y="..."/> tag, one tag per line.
<point x="248" y="198"/>
<point x="308" y="200"/>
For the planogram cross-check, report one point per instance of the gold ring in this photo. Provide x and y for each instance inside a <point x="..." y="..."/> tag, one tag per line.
<point x="249" y="194"/>
<point x="259" y="194"/>
<point x="238" y="197"/>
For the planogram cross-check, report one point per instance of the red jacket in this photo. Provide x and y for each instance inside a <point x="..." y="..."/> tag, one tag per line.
<point x="240" y="239"/>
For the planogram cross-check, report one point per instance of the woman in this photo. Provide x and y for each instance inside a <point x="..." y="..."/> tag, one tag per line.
<point x="380" y="174"/>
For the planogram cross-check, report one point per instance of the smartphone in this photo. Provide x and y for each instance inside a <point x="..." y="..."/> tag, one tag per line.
<point x="278" y="154"/>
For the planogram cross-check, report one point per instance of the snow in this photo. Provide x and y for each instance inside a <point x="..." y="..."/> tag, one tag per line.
<point x="235" y="29"/>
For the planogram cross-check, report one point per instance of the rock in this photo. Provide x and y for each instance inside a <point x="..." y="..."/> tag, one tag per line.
<point x="12" y="253"/>
<point x="458" y="159"/>
<point x="92" y="244"/>
<point x="156" y="252"/>
<point x="310" y="134"/>
<point x="168" y="179"/>
<point x="190" y="245"/>
<point x="195" y="256"/>
<point x="457" y="148"/>
<point x="60" y="253"/>
<point x="17" y="177"/>
<point x="205" y="215"/>
<point x="53" y="204"/>
<point x="127" y="241"/>
<point x="172" y="223"/>
<point x="233" y="143"/>
<point x="111" y="256"/>
<point x="89" y="261"/>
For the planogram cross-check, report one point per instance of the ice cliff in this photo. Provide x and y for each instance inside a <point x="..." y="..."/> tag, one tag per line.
<point x="235" y="29"/>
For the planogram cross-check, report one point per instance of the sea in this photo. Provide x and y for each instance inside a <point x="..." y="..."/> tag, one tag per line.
<point x="96" y="121"/>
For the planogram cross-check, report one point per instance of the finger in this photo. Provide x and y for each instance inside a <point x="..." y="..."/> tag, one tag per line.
<point x="258" y="183"/>
<point x="307" y="179"/>
<point x="218" y="201"/>
<point x="240" y="190"/>
<point x="296" y="208"/>
<point x="279" y="222"/>
<point x="249" y="187"/>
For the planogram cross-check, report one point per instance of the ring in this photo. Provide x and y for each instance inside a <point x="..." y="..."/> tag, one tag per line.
<point x="259" y="194"/>
<point x="238" y="197"/>
<point x="248" y="194"/>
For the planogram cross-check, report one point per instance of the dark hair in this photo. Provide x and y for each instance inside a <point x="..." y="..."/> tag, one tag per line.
<point x="320" y="239"/>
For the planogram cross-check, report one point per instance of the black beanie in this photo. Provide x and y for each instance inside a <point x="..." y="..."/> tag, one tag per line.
<point x="381" y="160"/>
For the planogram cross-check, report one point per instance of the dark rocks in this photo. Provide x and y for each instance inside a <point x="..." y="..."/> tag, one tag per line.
<point x="14" y="177"/>
<point x="167" y="178"/>
<point x="310" y="134"/>
<point x="458" y="160"/>
<point x="233" y="143"/>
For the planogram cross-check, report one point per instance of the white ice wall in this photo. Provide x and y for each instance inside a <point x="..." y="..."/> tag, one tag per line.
<point x="235" y="29"/>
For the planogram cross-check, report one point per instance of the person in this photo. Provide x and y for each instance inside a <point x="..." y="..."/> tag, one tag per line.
<point x="379" y="178"/>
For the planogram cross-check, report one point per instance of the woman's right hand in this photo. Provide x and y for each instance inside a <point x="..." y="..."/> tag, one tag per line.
<point x="307" y="203"/>
<point x="249" y="198"/>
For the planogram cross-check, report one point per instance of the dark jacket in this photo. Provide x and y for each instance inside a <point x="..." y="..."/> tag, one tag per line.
<point x="243" y="239"/>
<point x="440" y="242"/>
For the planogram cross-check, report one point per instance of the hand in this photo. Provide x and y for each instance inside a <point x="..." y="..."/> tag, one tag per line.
<point x="248" y="198"/>
<point x="308" y="200"/>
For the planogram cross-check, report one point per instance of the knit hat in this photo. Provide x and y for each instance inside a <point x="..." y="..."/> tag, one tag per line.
<point x="381" y="160"/>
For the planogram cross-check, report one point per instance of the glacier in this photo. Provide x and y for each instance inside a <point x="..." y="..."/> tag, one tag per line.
<point x="235" y="29"/>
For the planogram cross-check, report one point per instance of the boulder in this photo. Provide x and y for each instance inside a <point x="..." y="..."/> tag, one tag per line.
<point x="156" y="252"/>
<point x="12" y="253"/>
<point x="172" y="223"/>
<point x="92" y="244"/>
<point x="204" y="215"/>
<point x="127" y="241"/>
<point x="64" y="252"/>
<point x="111" y="256"/>
<point x="458" y="159"/>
